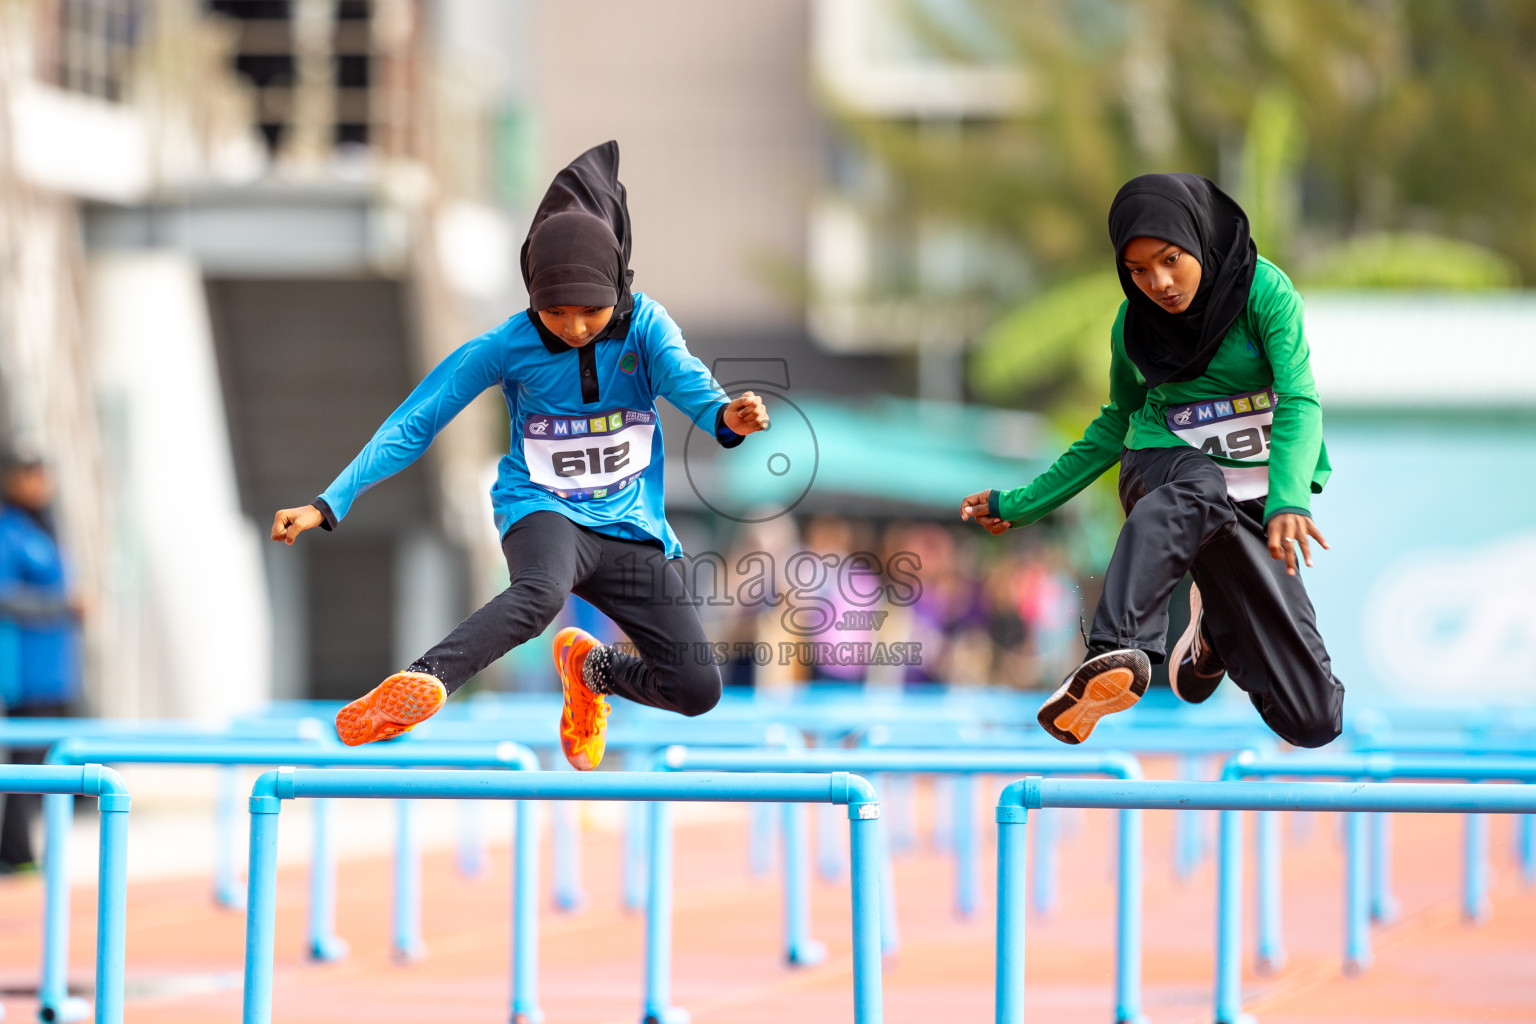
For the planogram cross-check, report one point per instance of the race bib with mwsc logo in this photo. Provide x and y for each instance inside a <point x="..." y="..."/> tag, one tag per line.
<point x="582" y="458"/>
<point x="1231" y="428"/>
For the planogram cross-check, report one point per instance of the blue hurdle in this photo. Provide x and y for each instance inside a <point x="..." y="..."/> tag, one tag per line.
<point x="532" y="724"/>
<point x="964" y="765"/>
<point x="323" y="943"/>
<point x="1231" y="798"/>
<point x="43" y="733"/>
<point x="111" y="873"/>
<point x="1367" y="864"/>
<point x="288" y="783"/>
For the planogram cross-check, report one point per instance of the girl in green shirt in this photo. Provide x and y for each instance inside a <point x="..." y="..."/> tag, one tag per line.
<point x="1214" y="419"/>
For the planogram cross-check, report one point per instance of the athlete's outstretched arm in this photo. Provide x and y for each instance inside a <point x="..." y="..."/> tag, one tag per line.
<point x="1081" y="464"/>
<point x="451" y="385"/>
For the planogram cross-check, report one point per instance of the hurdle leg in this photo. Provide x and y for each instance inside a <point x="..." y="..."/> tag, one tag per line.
<point x="1045" y="869"/>
<point x="637" y="816"/>
<point x="408" y="946"/>
<point x="1012" y="909"/>
<point x="227" y="890"/>
<point x="864" y="876"/>
<point x="762" y="822"/>
<point x="54" y="1001"/>
<point x="1128" y="921"/>
<point x="324" y="944"/>
<point x="1187" y="827"/>
<point x="890" y="930"/>
<point x="567" y="842"/>
<point x="1357" y="922"/>
<point x="1270" y="956"/>
<point x="525" y="914"/>
<point x="658" y="924"/>
<point x="899" y="813"/>
<point x="965" y="844"/>
<point x="943" y="813"/>
<point x="472" y="857"/>
<point x="830" y="855"/>
<point x="111" y="907"/>
<point x="1475" y="908"/>
<point x="1384" y="907"/>
<point x="800" y="949"/>
<point x="260" y="911"/>
<point x="1229" y="921"/>
<point x="1525" y="827"/>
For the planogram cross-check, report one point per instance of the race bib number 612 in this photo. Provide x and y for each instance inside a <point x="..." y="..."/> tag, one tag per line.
<point x="582" y="458"/>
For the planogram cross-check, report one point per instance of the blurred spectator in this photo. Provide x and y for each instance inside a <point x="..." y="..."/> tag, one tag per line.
<point x="39" y="654"/>
<point x="981" y="612"/>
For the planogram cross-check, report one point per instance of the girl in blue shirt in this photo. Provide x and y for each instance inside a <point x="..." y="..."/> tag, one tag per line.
<point x="579" y="497"/>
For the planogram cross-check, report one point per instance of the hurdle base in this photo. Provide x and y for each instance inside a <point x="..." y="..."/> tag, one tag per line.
<point x="230" y="899"/>
<point x="404" y="955"/>
<point x="1385" y="912"/>
<point x="71" y="1008"/>
<point x="671" y="1015"/>
<point x="329" y="950"/>
<point x="1269" y="964"/>
<point x="528" y="1017"/>
<point x="806" y="954"/>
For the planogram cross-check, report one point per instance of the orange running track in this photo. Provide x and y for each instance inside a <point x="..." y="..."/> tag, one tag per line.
<point x="185" y="955"/>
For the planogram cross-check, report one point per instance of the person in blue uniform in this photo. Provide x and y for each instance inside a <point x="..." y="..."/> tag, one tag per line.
<point x="579" y="498"/>
<point x="39" y="633"/>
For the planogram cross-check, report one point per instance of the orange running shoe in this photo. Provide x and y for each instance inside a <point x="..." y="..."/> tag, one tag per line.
<point x="582" y="721"/>
<point x="396" y="705"/>
<point x="1101" y="685"/>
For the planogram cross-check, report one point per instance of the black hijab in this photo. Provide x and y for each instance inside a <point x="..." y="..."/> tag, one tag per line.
<point x="577" y="252"/>
<point x="1191" y="212"/>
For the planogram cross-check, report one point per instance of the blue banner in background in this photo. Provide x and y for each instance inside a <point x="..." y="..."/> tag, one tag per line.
<point x="1428" y="595"/>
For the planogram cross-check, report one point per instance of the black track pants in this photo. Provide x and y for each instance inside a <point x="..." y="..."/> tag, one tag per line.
<point x="1179" y="519"/>
<point x="21" y="809"/>
<point x="549" y="557"/>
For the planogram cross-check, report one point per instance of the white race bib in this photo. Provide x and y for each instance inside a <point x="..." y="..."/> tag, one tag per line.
<point x="1231" y="428"/>
<point x="583" y="458"/>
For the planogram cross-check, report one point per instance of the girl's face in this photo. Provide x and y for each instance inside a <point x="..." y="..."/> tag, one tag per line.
<point x="1169" y="275"/>
<point x="576" y="325"/>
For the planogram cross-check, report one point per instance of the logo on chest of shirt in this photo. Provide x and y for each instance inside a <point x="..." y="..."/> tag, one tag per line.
<point x="628" y="361"/>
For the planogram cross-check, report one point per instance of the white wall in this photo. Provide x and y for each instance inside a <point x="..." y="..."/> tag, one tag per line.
<point x="188" y="564"/>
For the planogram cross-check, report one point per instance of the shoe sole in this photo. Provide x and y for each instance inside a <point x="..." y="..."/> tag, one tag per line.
<point x="1107" y="684"/>
<point x="1185" y="642"/>
<point x="1182" y="647"/>
<point x="564" y="641"/>
<point x="395" y="706"/>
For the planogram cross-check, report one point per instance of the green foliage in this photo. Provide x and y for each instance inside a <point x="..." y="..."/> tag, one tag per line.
<point x="1383" y="145"/>
<point x="1060" y="335"/>
<point x="1410" y="261"/>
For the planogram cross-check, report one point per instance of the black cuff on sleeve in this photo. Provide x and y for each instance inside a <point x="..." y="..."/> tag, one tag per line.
<point x="727" y="437"/>
<point x="992" y="503"/>
<point x="1288" y="508"/>
<point x="325" y="511"/>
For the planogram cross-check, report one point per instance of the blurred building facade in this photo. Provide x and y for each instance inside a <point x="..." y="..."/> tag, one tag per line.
<point x="235" y="235"/>
<point x="258" y="222"/>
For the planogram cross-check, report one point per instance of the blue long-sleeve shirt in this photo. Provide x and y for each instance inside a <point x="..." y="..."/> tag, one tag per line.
<point x="601" y="464"/>
<point x="39" y="646"/>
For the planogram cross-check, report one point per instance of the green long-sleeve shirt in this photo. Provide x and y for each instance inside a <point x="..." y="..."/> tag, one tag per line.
<point x="1262" y="364"/>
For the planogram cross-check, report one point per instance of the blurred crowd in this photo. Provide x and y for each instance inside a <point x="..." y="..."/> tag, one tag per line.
<point x="901" y="603"/>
